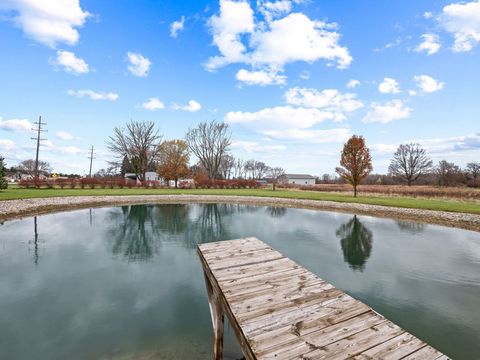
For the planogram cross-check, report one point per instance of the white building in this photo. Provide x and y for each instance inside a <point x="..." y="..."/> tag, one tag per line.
<point x="298" y="179"/>
<point x="149" y="176"/>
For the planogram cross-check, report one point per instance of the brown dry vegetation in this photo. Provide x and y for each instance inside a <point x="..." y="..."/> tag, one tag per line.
<point x="423" y="191"/>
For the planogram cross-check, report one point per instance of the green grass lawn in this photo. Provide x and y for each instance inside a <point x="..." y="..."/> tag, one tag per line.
<point x="405" y="202"/>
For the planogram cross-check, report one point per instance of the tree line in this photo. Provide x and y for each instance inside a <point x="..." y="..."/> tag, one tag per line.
<point x="410" y="163"/>
<point x="139" y="148"/>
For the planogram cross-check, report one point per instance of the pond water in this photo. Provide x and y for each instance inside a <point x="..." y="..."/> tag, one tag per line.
<point x="125" y="282"/>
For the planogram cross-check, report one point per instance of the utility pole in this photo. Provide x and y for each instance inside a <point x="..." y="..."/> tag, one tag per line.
<point x="39" y="130"/>
<point x="91" y="157"/>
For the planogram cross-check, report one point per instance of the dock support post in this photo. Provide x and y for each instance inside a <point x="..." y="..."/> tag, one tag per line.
<point x="217" y="315"/>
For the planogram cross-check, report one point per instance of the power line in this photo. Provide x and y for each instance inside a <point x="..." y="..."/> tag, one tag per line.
<point x="39" y="130"/>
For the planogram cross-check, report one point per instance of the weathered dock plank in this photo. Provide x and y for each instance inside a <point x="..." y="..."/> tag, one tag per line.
<point x="280" y="310"/>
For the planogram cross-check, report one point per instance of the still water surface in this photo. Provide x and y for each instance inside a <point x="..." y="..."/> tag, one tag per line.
<point x="125" y="282"/>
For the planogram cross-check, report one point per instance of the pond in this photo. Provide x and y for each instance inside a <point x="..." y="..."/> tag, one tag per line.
<point x="125" y="282"/>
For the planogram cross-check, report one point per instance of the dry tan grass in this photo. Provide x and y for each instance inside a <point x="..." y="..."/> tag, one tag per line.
<point x="423" y="191"/>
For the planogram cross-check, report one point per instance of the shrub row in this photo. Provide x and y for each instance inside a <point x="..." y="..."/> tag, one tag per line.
<point x="226" y="184"/>
<point x="120" y="183"/>
<point x="90" y="183"/>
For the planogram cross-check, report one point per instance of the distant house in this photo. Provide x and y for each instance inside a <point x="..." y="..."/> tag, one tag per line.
<point x="298" y="179"/>
<point x="149" y="176"/>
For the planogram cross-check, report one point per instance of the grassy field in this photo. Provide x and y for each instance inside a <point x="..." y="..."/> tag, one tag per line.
<point x="423" y="191"/>
<point x="405" y="202"/>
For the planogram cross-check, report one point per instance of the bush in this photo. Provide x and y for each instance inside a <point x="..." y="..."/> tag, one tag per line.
<point x="226" y="184"/>
<point x="61" y="183"/>
<point x="73" y="183"/>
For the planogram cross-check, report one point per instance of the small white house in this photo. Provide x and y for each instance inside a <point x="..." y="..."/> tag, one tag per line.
<point x="298" y="179"/>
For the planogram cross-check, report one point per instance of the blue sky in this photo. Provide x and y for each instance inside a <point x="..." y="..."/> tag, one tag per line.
<point x="293" y="78"/>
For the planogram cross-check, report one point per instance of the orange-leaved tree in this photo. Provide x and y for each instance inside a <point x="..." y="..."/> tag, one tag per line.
<point x="356" y="162"/>
<point x="174" y="157"/>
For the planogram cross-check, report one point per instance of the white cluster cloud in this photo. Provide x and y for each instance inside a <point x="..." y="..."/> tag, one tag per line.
<point x="260" y="77"/>
<point x="311" y="135"/>
<point x="272" y="43"/>
<point x="94" y="95"/>
<point x="153" y="104"/>
<point x="353" y="83"/>
<point x="69" y="62"/>
<point x="330" y="100"/>
<point x="63" y="135"/>
<point x="389" y="86"/>
<point x="16" y="125"/>
<point x="387" y="112"/>
<point x="442" y="146"/>
<point x="192" y="106"/>
<point x="305" y="108"/>
<point x="48" y="21"/>
<point x="274" y="9"/>
<point x="7" y="145"/>
<point x="177" y="26"/>
<point x="255" y="147"/>
<point x="462" y="19"/>
<point x="384" y="148"/>
<point x="428" y="84"/>
<point x="280" y="116"/>
<point x="430" y="44"/>
<point x="138" y="64"/>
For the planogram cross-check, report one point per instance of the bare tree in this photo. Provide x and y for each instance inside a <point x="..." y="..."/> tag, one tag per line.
<point x="239" y="169"/>
<point x="448" y="173"/>
<point x="409" y="162"/>
<point x="261" y="169"/>
<point x="226" y="166"/>
<point x="473" y="170"/>
<point x="355" y="161"/>
<point x="210" y="141"/>
<point x="28" y="167"/>
<point x="275" y="173"/>
<point x="250" y="169"/>
<point x="138" y="145"/>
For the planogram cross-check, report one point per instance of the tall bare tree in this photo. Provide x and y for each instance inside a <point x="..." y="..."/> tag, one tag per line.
<point x="138" y="144"/>
<point x="275" y="173"/>
<point x="473" y="170"/>
<point x="28" y="167"/>
<point x="210" y="142"/>
<point x="261" y="169"/>
<point x="355" y="162"/>
<point x="239" y="169"/>
<point x="409" y="162"/>
<point x="226" y="166"/>
<point x="250" y="168"/>
<point x="448" y="173"/>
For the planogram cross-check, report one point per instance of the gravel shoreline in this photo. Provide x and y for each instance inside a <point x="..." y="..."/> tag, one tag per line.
<point x="14" y="209"/>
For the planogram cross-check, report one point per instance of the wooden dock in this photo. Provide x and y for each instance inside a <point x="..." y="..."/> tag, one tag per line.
<point x="280" y="310"/>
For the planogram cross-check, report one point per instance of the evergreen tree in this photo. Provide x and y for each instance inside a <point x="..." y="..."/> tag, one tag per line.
<point x="3" y="170"/>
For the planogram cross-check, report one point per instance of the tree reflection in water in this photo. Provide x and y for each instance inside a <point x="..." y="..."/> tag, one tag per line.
<point x="356" y="242"/>
<point x="211" y="224"/>
<point x="276" y="211"/>
<point x="138" y="230"/>
<point x="411" y="226"/>
<point x="135" y="232"/>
